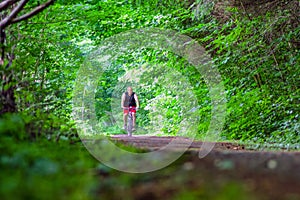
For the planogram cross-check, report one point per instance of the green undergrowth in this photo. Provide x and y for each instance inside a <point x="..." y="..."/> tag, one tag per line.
<point x="46" y="170"/>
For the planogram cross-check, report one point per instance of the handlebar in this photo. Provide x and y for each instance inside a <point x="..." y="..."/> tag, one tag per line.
<point x="127" y="108"/>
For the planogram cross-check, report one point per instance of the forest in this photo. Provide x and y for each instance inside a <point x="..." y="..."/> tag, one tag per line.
<point x="209" y="70"/>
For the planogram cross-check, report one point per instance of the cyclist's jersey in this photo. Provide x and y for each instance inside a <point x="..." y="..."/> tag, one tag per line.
<point x="129" y="100"/>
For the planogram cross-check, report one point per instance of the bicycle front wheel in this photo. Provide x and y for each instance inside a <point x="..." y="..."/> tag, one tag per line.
<point x="129" y="126"/>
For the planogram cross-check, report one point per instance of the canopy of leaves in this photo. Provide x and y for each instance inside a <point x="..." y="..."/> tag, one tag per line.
<point x="257" y="57"/>
<point x="256" y="54"/>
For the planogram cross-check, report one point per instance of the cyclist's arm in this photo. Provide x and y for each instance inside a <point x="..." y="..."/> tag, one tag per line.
<point x="137" y="101"/>
<point x="122" y="100"/>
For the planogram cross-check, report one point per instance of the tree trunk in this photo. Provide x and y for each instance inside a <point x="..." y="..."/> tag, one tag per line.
<point x="8" y="100"/>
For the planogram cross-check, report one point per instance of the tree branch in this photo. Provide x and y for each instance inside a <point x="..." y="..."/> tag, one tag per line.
<point x="6" y="3"/>
<point x="2" y="40"/>
<point x="35" y="11"/>
<point x="7" y="20"/>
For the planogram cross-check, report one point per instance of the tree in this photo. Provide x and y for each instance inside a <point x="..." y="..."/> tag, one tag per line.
<point x="13" y="11"/>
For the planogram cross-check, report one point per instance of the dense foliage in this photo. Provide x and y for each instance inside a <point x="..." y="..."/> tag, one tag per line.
<point x="257" y="54"/>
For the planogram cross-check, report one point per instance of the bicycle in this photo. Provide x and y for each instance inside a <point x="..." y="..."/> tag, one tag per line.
<point x="130" y="120"/>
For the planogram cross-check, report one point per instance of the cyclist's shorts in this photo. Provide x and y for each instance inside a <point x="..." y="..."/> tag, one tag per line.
<point x="132" y="109"/>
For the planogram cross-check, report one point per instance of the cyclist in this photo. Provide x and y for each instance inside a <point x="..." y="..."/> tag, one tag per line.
<point x="129" y="99"/>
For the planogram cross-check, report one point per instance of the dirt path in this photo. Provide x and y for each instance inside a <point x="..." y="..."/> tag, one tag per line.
<point x="257" y="174"/>
<point x="154" y="142"/>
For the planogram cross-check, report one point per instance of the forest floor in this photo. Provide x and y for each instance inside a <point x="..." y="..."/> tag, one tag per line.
<point x="229" y="169"/>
